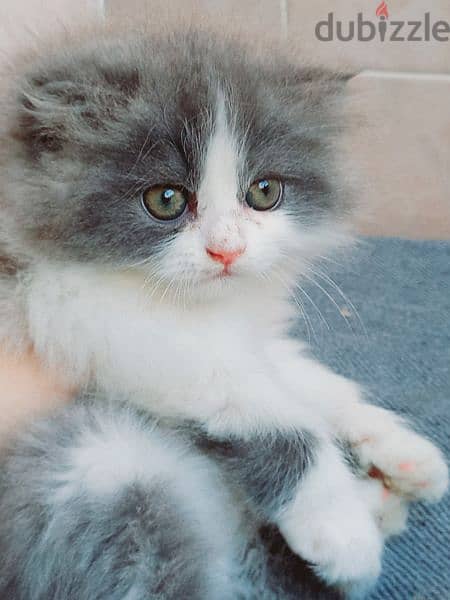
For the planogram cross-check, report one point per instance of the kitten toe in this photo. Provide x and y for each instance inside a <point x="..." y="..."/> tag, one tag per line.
<point x="410" y="464"/>
<point x="344" y="548"/>
<point x="350" y="558"/>
<point x="389" y="510"/>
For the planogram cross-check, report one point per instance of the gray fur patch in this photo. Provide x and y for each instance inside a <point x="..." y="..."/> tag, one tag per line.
<point x="268" y="467"/>
<point x="8" y="266"/>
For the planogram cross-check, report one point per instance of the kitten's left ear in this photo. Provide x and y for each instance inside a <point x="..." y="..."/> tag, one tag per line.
<point x="322" y="78"/>
<point x="322" y="90"/>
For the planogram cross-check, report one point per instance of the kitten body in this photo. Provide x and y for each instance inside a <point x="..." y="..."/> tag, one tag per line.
<point x="155" y="313"/>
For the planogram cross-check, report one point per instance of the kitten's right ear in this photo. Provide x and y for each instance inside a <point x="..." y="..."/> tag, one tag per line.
<point x="72" y="103"/>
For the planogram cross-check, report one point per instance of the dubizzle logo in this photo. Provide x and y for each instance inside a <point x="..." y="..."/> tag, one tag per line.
<point x="382" y="10"/>
<point x="385" y="29"/>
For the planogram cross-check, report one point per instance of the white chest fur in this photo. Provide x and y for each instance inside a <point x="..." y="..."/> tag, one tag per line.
<point x="176" y="360"/>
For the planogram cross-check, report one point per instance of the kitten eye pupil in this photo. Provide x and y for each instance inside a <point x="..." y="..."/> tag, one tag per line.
<point x="167" y="195"/>
<point x="264" y="186"/>
<point x="264" y="194"/>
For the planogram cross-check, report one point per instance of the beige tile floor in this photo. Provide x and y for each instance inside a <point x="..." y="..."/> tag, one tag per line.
<point x="295" y="21"/>
<point x="402" y="154"/>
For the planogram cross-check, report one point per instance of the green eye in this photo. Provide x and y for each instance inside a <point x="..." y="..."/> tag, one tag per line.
<point x="264" y="194"/>
<point x="165" y="202"/>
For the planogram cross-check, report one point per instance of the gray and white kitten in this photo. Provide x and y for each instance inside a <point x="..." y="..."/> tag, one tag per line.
<point x="160" y="197"/>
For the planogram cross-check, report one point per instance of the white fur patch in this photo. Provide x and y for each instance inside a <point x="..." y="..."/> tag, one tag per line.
<point x="210" y="361"/>
<point x="218" y="191"/>
<point x="118" y="454"/>
<point x="219" y="209"/>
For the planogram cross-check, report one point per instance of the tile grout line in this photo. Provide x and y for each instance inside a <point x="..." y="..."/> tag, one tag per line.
<point x="284" y="18"/>
<point x="101" y="7"/>
<point x="406" y="75"/>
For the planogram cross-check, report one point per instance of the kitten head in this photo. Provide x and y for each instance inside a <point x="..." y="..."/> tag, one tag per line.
<point x="182" y="158"/>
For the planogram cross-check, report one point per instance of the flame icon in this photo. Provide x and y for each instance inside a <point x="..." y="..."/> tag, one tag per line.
<point x="382" y="10"/>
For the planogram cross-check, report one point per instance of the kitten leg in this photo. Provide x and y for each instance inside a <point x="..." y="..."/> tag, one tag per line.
<point x="330" y="525"/>
<point x="301" y="483"/>
<point x="97" y="504"/>
<point x="412" y="465"/>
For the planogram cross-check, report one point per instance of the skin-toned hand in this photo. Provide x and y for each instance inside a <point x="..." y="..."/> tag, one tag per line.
<point x="27" y="390"/>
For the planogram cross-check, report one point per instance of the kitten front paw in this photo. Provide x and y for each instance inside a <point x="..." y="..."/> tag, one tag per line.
<point x="344" y="548"/>
<point x="408" y="463"/>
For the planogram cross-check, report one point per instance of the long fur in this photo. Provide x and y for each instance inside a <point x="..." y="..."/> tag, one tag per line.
<point x="242" y="421"/>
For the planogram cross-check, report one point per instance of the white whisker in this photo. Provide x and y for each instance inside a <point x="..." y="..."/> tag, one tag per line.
<point x="325" y="277"/>
<point x="330" y="297"/>
<point x="319" y="312"/>
<point x="300" y="306"/>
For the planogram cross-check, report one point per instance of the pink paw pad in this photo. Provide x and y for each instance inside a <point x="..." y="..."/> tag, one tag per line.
<point x="385" y="494"/>
<point x="423" y="484"/>
<point x="407" y="467"/>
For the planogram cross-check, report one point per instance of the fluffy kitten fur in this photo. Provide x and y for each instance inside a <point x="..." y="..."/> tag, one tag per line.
<point x="236" y="427"/>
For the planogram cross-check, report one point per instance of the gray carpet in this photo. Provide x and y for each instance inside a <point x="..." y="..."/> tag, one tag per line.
<point x="401" y="352"/>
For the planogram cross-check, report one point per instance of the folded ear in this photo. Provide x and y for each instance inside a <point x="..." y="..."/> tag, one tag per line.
<point x="67" y="105"/>
<point x="44" y="112"/>
<point x="321" y="74"/>
<point x="315" y="90"/>
<point x="321" y="81"/>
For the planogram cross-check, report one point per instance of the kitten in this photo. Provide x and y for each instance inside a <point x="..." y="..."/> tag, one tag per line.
<point x="160" y="197"/>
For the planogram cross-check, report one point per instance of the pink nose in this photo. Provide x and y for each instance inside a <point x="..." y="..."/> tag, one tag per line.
<point x="226" y="257"/>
